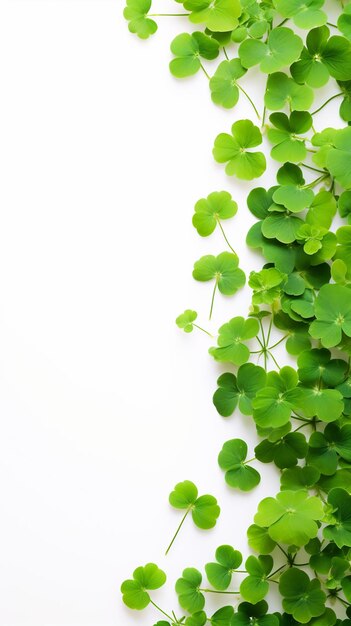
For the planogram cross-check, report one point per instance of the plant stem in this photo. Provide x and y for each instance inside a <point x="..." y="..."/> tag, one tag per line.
<point x="264" y="116"/>
<point x="274" y="359"/>
<point x="168" y="14"/>
<point x="278" y="342"/>
<point x="225" y="53"/>
<point x="203" y="330"/>
<point x="225" y="238"/>
<point x="333" y="25"/>
<point x="276" y="572"/>
<point x="249" y="99"/>
<point x="213" y="297"/>
<point x="317" y="181"/>
<point x="283" y="22"/>
<point x="204" y="71"/>
<point x="215" y="591"/>
<point x="282" y="550"/>
<point x="314" y="169"/>
<point x="178" y="529"/>
<point x="161" y="611"/>
<point x="337" y="95"/>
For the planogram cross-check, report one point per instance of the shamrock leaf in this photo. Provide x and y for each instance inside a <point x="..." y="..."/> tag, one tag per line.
<point x="316" y="366"/>
<point x="197" y="619"/>
<point x="224" y="270"/>
<point x="282" y="90"/>
<point x="292" y="192"/>
<point x="231" y="346"/>
<point x="135" y="591"/>
<point x="186" y="320"/>
<point x="223" y="617"/>
<point x="233" y="150"/>
<point x="333" y="315"/>
<point x="297" y="478"/>
<point x="287" y="145"/>
<point x="339" y="530"/>
<point x="337" y="157"/>
<point x="290" y="517"/>
<point x="274" y="403"/>
<point x="220" y="574"/>
<point x="223" y="84"/>
<point x="284" y="452"/>
<point x="238" y="474"/>
<point x="188" y="590"/>
<point x="238" y="390"/>
<point x="204" y="509"/>
<point x="259" y="539"/>
<point x="266" y="285"/>
<point x="283" y="47"/>
<point x="254" y="615"/>
<point x="343" y="251"/>
<point x="256" y="586"/>
<point x="321" y="211"/>
<point x="209" y="212"/>
<point x="305" y="13"/>
<point x="136" y="13"/>
<point x="312" y="238"/>
<point x="217" y="15"/>
<point x="344" y="22"/>
<point x="302" y="597"/>
<point x="188" y="49"/>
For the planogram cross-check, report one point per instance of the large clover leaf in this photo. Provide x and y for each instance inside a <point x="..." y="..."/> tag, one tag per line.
<point x="290" y="517"/>
<point x="231" y="346"/>
<point x="233" y="150"/>
<point x="288" y="146"/>
<point x="223" y="84"/>
<point x="204" y="509"/>
<point x="219" y="574"/>
<point x="303" y="598"/>
<point x="209" y="212"/>
<point x="232" y="459"/>
<point x="135" y="591"/>
<point x="323" y="57"/>
<point x="256" y="586"/>
<point x="284" y="452"/>
<point x="339" y="529"/>
<point x="239" y="390"/>
<point x="305" y="13"/>
<point x="136" y="13"/>
<point x="282" y="90"/>
<point x="188" y="49"/>
<point x="187" y="588"/>
<point x="217" y="15"/>
<point x="283" y="47"/>
<point x="333" y="315"/>
<point x="274" y="403"/>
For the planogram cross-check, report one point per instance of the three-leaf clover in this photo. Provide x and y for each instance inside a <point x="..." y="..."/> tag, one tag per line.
<point x="219" y="574"/>
<point x="186" y="320"/>
<point x="282" y="90"/>
<point x="282" y="48"/>
<point x="231" y="340"/>
<point x="254" y="615"/>
<point x="217" y="15"/>
<point x="209" y="212"/>
<point x="266" y="285"/>
<point x="234" y="150"/>
<point x="232" y="460"/>
<point x="339" y="530"/>
<point x="224" y="270"/>
<point x="333" y="315"/>
<point x="323" y="57"/>
<point x="188" y="50"/>
<point x="239" y="390"/>
<point x="292" y="193"/>
<point x="256" y="586"/>
<point x="135" y="591"/>
<point x="223" y="84"/>
<point x="302" y="597"/>
<point x="136" y="13"/>
<point x="288" y="146"/>
<point x="274" y="403"/>
<point x="188" y="590"/>
<point x="284" y="452"/>
<point x="305" y="13"/>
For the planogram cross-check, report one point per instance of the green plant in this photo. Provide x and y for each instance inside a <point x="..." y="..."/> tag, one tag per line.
<point x="301" y="298"/>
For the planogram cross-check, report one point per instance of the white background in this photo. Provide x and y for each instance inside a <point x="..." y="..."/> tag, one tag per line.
<point x="104" y="403"/>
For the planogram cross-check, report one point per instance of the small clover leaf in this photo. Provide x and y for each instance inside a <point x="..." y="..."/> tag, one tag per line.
<point x="305" y="13"/>
<point x="333" y="315"/>
<point x="256" y="586"/>
<point x="232" y="460"/>
<point x="136" y="13"/>
<point x="302" y="597"/>
<point x="209" y="212"/>
<point x="259" y="539"/>
<point x="224" y="270"/>
<point x="135" y="591"/>
<point x="217" y="15"/>
<point x="231" y="346"/>
<point x="219" y="574"/>
<point x="186" y="320"/>
<point x="266" y="285"/>
<point x="339" y="530"/>
<point x="283" y="47"/>
<point x="282" y="90"/>
<point x="223" y="84"/>
<point x="188" y="590"/>
<point x="288" y="146"/>
<point x="290" y="517"/>
<point x="239" y="390"/>
<point x="233" y="150"/>
<point x="274" y="403"/>
<point x="188" y="49"/>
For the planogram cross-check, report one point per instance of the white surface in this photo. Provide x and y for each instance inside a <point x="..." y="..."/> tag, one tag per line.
<point x="104" y="404"/>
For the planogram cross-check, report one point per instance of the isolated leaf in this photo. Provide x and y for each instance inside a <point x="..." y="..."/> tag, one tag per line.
<point x="209" y="211"/>
<point x="255" y="586"/>
<point x="135" y="592"/>
<point x="186" y="319"/>
<point x="188" y="49"/>
<point x="187" y="589"/>
<point x="232" y="459"/>
<point x="233" y="150"/>
<point x="136" y="13"/>
<point x="219" y="574"/>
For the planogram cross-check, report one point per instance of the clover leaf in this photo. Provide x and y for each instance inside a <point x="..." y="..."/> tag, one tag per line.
<point x="259" y="539"/>
<point x="135" y="591"/>
<point x="338" y="155"/>
<point x="266" y="285"/>
<point x="256" y="586"/>
<point x="282" y="90"/>
<point x="290" y="517"/>
<point x="284" y="452"/>
<point x="232" y="460"/>
<point x="186" y="320"/>
<point x="333" y="315"/>
<point x="283" y="47"/>
<point x="223" y="84"/>
<point x="136" y="13"/>
<point x="224" y="270"/>
<point x="209" y="212"/>
<point x="204" y="509"/>
<point x="302" y="597"/>
<point x="316" y="366"/>
<point x="219" y="574"/>
<point x="305" y="13"/>
<point x="287" y="145"/>
<point x="344" y="21"/>
<point x="274" y="403"/>
<point x="231" y="346"/>
<point x="254" y="614"/>
<point x="223" y="617"/>
<point x="339" y="530"/>
<point x="188" y="49"/>
<point x="297" y="478"/>
<point x="217" y="15"/>
<point x="233" y="150"/>
<point x="238" y="390"/>
<point x="187" y="588"/>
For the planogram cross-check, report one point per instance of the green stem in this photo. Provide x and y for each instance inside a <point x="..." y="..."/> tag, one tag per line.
<point x="213" y="297"/>
<point x="225" y="53"/>
<point x="278" y="342"/>
<point x="178" y="529"/>
<point x="283" y="551"/>
<point x="204" y="71"/>
<point x="269" y="331"/>
<point x="203" y="330"/>
<point x="316" y="182"/>
<point x="225" y="238"/>
<point x="161" y="611"/>
<point x="332" y="25"/>
<point x="314" y="169"/>
<point x="168" y="14"/>
<point x="337" y="95"/>
<point x="249" y="99"/>
<point x="264" y="116"/>
<point x="221" y="592"/>
<point x="249" y="460"/>
<point x="276" y="572"/>
<point x="274" y="359"/>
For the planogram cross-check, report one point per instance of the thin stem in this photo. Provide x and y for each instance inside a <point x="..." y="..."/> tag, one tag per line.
<point x="269" y="331"/>
<point x="274" y="359"/>
<point x="283" y="551"/>
<point x="213" y="298"/>
<point x="317" y="181"/>
<point x="203" y="330"/>
<point x="278" y="342"/>
<point x="221" y="592"/>
<point x="225" y="238"/>
<point x="314" y="169"/>
<point x="178" y="529"/>
<point x="332" y="25"/>
<point x="337" y="95"/>
<point x="299" y="427"/>
<point x="161" y="611"/>
<point x="249" y="99"/>
<point x="276" y="572"/>
<point x="250" y="460"/>
<point x="168" y="14"/>
<point x="283" y="22"/>
<point x="225" y="53"/>
<point x="204" y="71"/>
<point x="264" y="116"/>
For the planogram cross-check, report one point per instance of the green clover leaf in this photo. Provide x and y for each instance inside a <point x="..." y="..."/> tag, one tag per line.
<point x="204" y="509"/>
<point x="337" y="157"/>
<point x="266" y="285"/>
<point x="231" y="346"/>
<point x="297" y="478"/>
<point x="282" y="90"/>
<point x="283" y="47"/>
<point x="197" y="619"/>
<point x="290" y="517"/>
<point x="135" y="591"/>
<point x="285" y="452"/>
<point x="186" y="320"/>
<point x="209" y="212"/>
<point x="259" y="539"/>
<point x="303" y="598"/>
<point x="339" y="530"/>
<point x="223" y="617"/>
<point x="323" y="57"/>
<point x="233" y="150"/>
<point x="136" y="14"/>
<point x="333" y="315"/>
<point x="288" y="146"/>
<point x="274" y="403"/>
<point x="187" y="588"/>
<point x="217" y="15"/>
<point x="256" y="586"/>
<point x="238" y="390"/>
<point x="316" y="366"/>
<point x="254" y="614"/>
<point x="223" y="84"/>
<point x="224" y="270"/>
<point x="305" y="13"/>
<point x="344" y="22"/>
<point x="232" y="460"/>
<point x="219" y="574"/>
<point x="188" y="49"/>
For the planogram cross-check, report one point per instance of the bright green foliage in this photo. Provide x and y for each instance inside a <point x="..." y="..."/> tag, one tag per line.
<point x="305" y="13"/>
<point x="223" y="84"/>
<point x="338" y="155"/>
<point x="186" y="320"/>
<point x="223" y="269"/>
<point x="344" y="21"/>
<point x="232" y="460"/>
<point x="298" y="478"/>
<point x="209" y="211"/>
<point x="239" y="390"/>
<point x="285" y="136"/>
<point x="223" y="617"/>
<point x="323" y="57"/>
<point x="282" y="90"/>
<point x="217" y="15"/>
<point x="139" y="24"/>
<point x="303" y="598"/>
<point x="290" y="517"/>
<point x="256" y="586"/>
<point x="135" y="591"/>
<point x="339" y="529"/>
<point x="188" y="49"/>
<point x="259" y="539"/>
<point x="204" y="509"/>
<point x="292" y="192"/>
<point x="266" y="285"/>
<point x="283" y="47"/>
<point x="231" y="340"/>
<point x="284" y="452"/>
<point x="187" y="589"/>
<point x="219" y="574"/>
<point x="254" y="615"/>
<point x="333" y="315"/>
<point x="234" y="150"/>
<point x="274" y="403"/>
